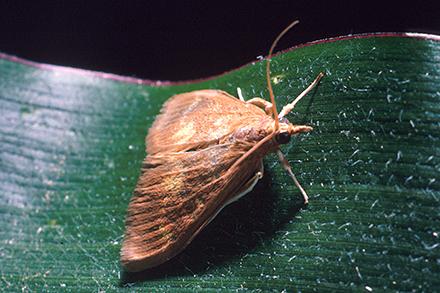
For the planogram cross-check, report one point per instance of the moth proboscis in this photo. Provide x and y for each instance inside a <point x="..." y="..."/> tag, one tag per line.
<point x="204" y="151"/>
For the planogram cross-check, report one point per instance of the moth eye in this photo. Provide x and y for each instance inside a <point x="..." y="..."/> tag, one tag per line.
<point x="282" y="137"/>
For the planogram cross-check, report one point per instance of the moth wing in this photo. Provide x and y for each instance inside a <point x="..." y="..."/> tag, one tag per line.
<point x="177" y="195"/>
<point x="196" y="119"/>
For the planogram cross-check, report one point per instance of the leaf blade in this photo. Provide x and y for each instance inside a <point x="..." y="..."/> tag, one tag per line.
<point x="72" y="145"/>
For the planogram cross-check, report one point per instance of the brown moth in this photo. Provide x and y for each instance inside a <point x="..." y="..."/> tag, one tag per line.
<point x="204" y="151"/>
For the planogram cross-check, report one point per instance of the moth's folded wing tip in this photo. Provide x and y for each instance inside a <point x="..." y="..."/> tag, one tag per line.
<point x="132" y="258"/>
<point x="136" y="257"/>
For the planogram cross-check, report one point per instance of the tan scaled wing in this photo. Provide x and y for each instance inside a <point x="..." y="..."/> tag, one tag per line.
<point x="177" y="195"/>
<point x="197" y="119"/>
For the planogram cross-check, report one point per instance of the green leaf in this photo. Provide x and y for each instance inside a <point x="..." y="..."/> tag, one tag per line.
<point x="72" y="143"/>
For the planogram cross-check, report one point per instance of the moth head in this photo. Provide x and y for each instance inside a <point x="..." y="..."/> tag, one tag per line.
<point x="287" y="129"/>
<point x="283" y="135"/>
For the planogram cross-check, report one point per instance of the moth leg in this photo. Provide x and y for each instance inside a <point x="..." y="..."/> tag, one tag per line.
<point x="259" y="102"/>
<point x="263" y="104"/>
<point x="287" y="167"/>
<point x="249" y="185"/>
<point x="289" y="107"/>
<point x="251" y="182"/>
<point x="260" y="172"/>
<point x="240" y="94"/>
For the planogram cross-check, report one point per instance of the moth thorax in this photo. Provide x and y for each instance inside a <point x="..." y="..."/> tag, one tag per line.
<point x="250" y="133"/>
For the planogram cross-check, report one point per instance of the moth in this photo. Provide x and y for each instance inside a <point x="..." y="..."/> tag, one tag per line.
<point x="205" y="150"/>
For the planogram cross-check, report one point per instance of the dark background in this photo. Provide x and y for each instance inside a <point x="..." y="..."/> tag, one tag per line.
<point x="169" y="41"/>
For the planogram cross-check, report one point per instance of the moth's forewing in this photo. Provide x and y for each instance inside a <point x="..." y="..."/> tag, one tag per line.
<point x="176" y="196"/>
<point x="197" y="119"/>
<point x="187" y="176"/>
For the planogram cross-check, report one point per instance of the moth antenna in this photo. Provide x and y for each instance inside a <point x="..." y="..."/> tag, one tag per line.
<point x="269" y="84"/>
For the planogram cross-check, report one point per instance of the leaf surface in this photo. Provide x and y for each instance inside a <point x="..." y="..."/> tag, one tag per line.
<point x="72" y="143"/>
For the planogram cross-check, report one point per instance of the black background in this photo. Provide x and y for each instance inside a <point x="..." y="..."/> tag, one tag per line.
<point x="170" y="40"/>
